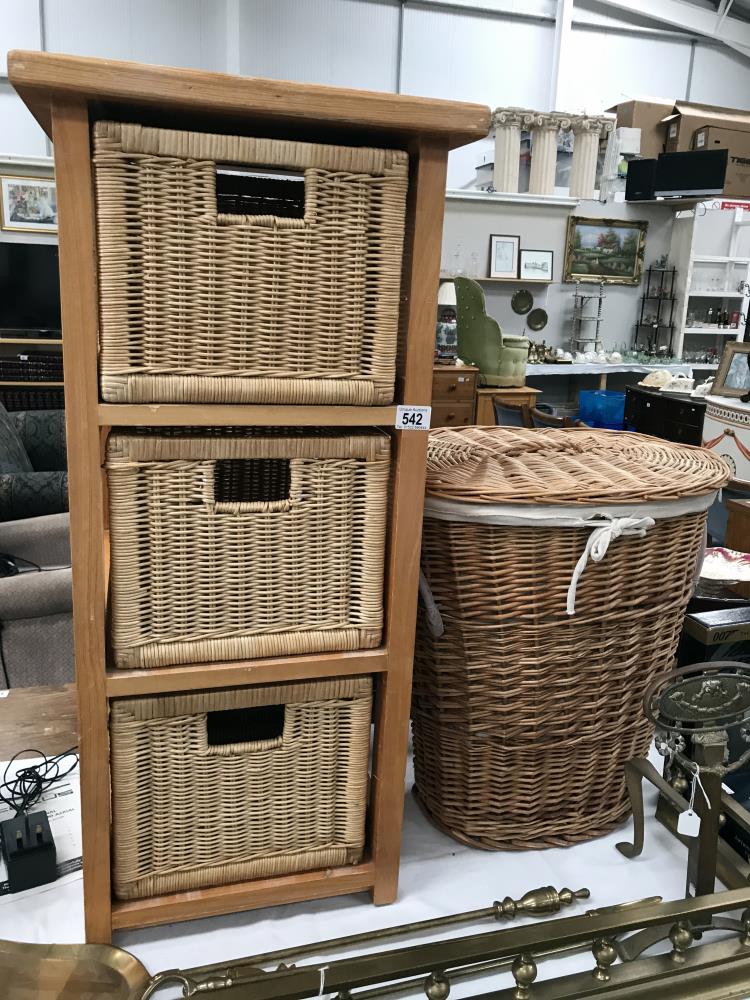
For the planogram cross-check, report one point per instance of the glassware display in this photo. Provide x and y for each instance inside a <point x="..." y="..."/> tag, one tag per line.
<point x="458" y="260"/>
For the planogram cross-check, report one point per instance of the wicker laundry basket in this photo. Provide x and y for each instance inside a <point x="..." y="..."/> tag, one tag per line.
<point x="557" y="568"/>
<point x="245" y="542"/>
<point x="228" y="785"/>
<point x="222" y="282"/>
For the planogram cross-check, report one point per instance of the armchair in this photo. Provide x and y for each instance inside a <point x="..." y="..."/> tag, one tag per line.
<point x="36" y="620"/>
<point x="33" y="477"/>
<point x="481" y="341"/>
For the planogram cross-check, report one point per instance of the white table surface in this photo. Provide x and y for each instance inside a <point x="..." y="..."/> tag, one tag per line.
<point x="438" y="876"/>
<point x="597" y="368"/>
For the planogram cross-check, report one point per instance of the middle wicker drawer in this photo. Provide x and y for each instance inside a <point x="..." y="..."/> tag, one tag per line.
<point x="245" y="542"/>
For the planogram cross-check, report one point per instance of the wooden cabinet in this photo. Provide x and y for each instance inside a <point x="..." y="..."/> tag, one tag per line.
<point x="453" y="392"/>
<point x="672" y="416"/>
<point x="738" y="525"/>
<point x="521" y="396"/>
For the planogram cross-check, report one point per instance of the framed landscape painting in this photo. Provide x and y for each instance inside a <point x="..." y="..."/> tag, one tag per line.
<point x="28" y="204"/>
<point x="605" y="250"/>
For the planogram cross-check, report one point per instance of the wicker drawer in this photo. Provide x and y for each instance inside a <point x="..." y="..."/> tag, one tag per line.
<point x="246" y="543"/>
<point x="448" y="386"/>
<point x="220" y="283"/>
<point x="456" y="414"/>
<point x="223" y="786"/>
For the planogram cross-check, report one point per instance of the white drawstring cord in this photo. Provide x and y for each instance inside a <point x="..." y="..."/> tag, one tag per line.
<point x="598" y="543"/>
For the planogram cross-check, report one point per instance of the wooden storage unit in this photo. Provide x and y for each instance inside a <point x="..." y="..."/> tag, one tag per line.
<point x="453" y="395"/>
<point x="66" y="95"/>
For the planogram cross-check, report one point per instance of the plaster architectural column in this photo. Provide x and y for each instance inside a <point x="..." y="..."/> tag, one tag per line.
<point x="507" y="124"/>
<point x="544" y="128"/>
<point x="587" y="132"/>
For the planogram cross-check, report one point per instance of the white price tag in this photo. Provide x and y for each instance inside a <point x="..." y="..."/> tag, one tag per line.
<point x="689" y="823"/>
<point x="413" y="418"/>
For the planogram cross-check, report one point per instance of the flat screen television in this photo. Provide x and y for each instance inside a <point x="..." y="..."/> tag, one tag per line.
<point x="29" y="288"/>
<point x="691" y="173"/>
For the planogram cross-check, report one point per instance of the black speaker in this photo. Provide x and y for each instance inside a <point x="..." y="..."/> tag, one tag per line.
<point x="639" y="182"/>
<point x="692" y="173"/>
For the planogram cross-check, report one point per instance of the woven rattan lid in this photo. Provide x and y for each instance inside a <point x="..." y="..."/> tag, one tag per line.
<point x="565" y="466"/>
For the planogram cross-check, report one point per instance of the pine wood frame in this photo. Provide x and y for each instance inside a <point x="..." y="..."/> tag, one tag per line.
<point x="66" y="94"/>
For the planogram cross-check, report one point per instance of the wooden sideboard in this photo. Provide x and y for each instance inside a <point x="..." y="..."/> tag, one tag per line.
<point x="674" y="416"/>
<point x="453" y="391"/>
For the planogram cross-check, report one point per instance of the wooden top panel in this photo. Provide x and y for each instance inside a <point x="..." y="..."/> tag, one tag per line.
<point x="128" y="89"/>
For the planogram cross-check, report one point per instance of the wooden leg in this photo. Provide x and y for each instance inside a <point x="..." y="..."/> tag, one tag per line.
<point x="80" y="318"/>
<point x="603" y="380"/>
<point x="394" y="693"/>
<point x="421" y="277"/>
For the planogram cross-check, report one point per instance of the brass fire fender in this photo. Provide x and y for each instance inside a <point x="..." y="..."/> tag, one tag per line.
<point x="704" y="971"/>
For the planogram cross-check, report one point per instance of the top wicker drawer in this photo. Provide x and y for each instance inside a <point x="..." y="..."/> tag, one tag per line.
<point x="223" y="279"/>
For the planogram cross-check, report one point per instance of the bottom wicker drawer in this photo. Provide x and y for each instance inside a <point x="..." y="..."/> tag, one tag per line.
<point x="456" y="414"/>
<point x="228" y="785"/>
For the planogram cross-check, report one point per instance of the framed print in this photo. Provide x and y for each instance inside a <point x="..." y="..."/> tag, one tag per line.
<point x="604" y="250"/>
<point x="504" y="256"/>
<point x="535" y="265"/>
<point x="28" y="204"/>
<point x="733" y="374"/>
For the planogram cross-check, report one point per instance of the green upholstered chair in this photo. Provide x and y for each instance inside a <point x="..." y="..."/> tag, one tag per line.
<point x="481" y="342"/>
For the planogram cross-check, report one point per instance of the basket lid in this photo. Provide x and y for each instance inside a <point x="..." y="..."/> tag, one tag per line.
<point x="565" y="466"/>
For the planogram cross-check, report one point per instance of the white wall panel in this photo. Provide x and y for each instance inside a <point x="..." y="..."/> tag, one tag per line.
<point x="608" y="68"/>
<point x="344" y="43"/>
<point x="473" y="57"/>
<point x="20" y="28"/>
<point x="19" y="133"/>
<point x="189" y="33"/>
<point x="720" y="76"/>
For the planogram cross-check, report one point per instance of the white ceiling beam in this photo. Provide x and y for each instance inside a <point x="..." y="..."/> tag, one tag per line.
<point x="687" y="16"/>
<point x="561" y="56"/>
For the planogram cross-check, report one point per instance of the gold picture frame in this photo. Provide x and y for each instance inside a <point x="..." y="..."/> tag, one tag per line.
<point x="608" y="251"/>
<point x="28" y="204"/>
<point x="733" y="374"/>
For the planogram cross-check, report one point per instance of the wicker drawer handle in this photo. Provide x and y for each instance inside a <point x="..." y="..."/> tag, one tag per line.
<point x="234" y="731"/>
<point x="263" y="196"/>
<point x="252" y="486"/>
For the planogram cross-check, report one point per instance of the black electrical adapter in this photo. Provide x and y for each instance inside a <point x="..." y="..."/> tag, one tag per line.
<point x="30" y="854"/>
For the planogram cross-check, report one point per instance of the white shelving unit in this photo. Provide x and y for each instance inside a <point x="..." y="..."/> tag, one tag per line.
<point x="722" y="230"/>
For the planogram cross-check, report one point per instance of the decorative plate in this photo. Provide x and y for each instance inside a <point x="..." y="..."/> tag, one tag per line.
<point x="522" y="301"/>
<point x="537" y="319"/>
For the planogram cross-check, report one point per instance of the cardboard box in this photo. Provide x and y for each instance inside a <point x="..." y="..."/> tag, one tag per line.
<point x="686" y="118"/>
<point x="737" y="141"/>
<point x="648" y="117"/>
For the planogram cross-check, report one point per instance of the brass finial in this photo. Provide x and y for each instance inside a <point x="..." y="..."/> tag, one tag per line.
<point x="538" y="902"/>
<point x="604" y="952"/>
<point x="437" y="986"/>
<point x="524" y="972"/>
<point x="681" y="936"/>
